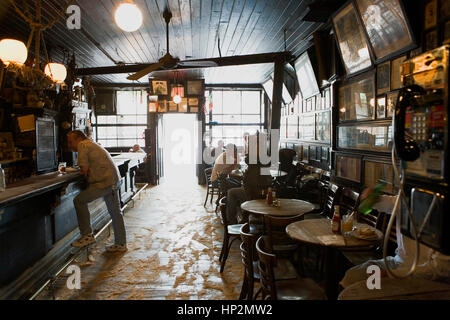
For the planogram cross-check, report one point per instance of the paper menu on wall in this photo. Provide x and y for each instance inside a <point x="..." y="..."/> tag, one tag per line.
<point x="26" y="123"/>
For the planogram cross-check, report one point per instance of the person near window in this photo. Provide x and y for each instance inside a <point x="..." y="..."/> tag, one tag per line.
<point x="137" y="148"/>
<point x="103" y="182"/>
<point x="226" y="162"/>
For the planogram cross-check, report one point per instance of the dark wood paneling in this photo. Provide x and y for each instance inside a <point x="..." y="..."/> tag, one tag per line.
<point x="242" y="27"/>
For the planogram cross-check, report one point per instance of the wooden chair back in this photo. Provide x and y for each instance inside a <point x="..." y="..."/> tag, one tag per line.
<point x="266" y="264"/>
<point x="332" y="199"/>
<point x="276" y="229"/>
<point x="248" y="252"/>
<point x="208" y="173"/>
<point x="349" y="201"/>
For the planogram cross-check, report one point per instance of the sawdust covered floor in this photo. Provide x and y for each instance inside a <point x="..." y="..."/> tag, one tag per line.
<point x="173" y="253"/>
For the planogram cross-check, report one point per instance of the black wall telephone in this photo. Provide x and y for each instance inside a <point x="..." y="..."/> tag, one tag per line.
<point x="406" y="147"/>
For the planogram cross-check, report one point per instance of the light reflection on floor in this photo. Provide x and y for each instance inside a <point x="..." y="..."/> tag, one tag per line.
<point x="174" y="244"/>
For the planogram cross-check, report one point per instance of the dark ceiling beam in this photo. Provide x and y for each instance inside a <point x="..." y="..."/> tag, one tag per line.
<point x="221" y="62"/>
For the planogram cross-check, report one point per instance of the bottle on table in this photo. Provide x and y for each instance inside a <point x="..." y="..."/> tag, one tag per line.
<point x="269" y="196"/>
<point x="336" y="221"/>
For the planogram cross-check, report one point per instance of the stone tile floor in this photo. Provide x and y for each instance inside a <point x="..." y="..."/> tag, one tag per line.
<point x="173" y="249"/>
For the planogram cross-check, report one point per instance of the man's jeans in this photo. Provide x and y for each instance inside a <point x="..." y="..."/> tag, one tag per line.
<point x="111" y="197"/>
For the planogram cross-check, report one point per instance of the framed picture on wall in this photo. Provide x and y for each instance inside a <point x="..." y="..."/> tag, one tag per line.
<point x="386" y="26"/>
<point x="357" y="98"/>
<point x="299" y="152"/>
<point x="173" y="107"/>
<point x="375" y="171"/>
<point x="348" y="168"/>
<point x="351" y="40"/>
<point x="383" y="77"/>
<point x="183" y="105"/>
<point x="160" y="87"/>
<point x="193" y="102"/>
<point x="305" y="153"/>
<point x="162" y="106"/>
<point x="193" y="109"/>
<point x="323" y="126"/>
<point x="396" y="78"/>
<point x="152" y="106"/>
<point x="431" y="14"/>
<point x="431" y="40"/>
<point x="325" y="154"/>
<point x="381" y="107"/>
<point x="312" y="153"/>
<point x="391" y="100"/>
<point x="195" y="87"/>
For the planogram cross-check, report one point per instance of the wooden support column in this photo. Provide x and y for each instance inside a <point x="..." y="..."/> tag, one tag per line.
<point x="277" y="93"/>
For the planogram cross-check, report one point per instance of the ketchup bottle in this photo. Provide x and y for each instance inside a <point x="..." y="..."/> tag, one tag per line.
<point x="336" y="221"/>
<point x="269" y="196"/>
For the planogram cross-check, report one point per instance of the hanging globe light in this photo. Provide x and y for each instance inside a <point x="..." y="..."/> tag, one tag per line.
<point x="56" y="71"/>
<point x="177" y="99"/>
<point x="13" y="51"/>
<point x="128" y="17"/>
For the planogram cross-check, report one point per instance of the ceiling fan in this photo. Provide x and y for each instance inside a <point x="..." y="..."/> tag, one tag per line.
<point x="168" y="62"/>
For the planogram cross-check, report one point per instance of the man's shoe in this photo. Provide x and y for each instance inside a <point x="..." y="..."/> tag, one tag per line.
<point x="117" y="248"/>
<point x="84" y="241"/>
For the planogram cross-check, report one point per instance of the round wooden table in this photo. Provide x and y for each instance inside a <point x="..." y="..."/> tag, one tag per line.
<point x="398" y="289"/>
<point x="318" y="232"/>
<point x="289" y="207"/>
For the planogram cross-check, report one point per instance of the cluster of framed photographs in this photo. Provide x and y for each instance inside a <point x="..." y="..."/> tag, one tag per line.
<point x="369" y="31"/>
<point x="308" y="153"/>
<point x="323" y="101"/>
<point x="191" y="92"/>
<point x="365" y="137"/>
<point x="437" y="24"/>
<point x="365" y="171"/>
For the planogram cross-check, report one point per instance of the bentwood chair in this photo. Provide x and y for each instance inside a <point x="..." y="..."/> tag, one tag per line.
<point x="284" y="270"/>
<point x="231" y="232"/>
<point x="294" y="289"/>
<point x="211" y="190"/>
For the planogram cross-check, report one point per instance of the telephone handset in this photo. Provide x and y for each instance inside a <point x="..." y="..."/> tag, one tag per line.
<point x="406" y="147"/>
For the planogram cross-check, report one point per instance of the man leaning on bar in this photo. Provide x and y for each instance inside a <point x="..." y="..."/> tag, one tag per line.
<point x="103" y="182"/>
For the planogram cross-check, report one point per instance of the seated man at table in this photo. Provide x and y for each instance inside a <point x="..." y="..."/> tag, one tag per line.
<point x="225" y="163"/>
<point x="253" y="185"/>
<point x="431" y="265"/>
<point x="103" y="182"/>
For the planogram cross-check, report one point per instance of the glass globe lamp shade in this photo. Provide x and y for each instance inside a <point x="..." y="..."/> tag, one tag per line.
<point x="13" y="51"/>
<point x="56" y="71"/>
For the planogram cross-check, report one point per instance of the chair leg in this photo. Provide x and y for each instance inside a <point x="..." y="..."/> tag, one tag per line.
<point x="244" y="290"/>
<point x="251" y="286"/>
<point x="207" y="194"/>
<point x="224" y="246"/>
<point x="257" y="294"/>
<point x="226" y="249"/>
<point x="212" y="195"/>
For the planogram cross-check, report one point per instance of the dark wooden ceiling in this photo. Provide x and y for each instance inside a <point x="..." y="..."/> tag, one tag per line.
<point x="243" y="27"/>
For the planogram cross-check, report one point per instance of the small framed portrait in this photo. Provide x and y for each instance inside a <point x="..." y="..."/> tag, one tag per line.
<point x="431" y="40"/>
<point x="152" y="106"/>
<point x="193" y="102"/>
<point x="193" y="109"/>
<point x="391" y="100"/>
<point x="431" y="14"/>
<point x="381" y="107"/>
<point x="396" y="78"/>
<point x="195" y="87"/>
<point x="162" y="106"/>
<point x="183" y="105"/>
<point x="305" y="153"/>
<point x="383" y="77"/>
<point x="312" y="153"/>
<point x="173" y="107"/>
<point x="348" y="168"/>
<point x="159" y="87"/>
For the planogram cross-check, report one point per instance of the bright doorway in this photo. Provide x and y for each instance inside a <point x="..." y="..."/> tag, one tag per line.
<point x="180" y="142"/>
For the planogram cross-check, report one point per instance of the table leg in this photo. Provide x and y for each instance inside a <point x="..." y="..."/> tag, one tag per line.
<point x="331" y="273"/>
